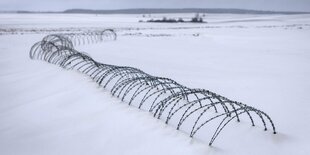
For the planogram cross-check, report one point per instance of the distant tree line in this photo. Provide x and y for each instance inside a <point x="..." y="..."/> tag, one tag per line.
<point x="196" y="19"/>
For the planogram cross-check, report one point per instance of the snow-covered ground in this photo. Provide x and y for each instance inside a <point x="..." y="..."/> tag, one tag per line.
<point x="260" y="60"/>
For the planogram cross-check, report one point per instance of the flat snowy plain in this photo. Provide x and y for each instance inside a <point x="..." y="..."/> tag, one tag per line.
<point x="260" y="60"/>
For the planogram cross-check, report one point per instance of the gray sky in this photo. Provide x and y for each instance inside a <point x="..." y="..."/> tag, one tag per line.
<point x="59" y="5"/>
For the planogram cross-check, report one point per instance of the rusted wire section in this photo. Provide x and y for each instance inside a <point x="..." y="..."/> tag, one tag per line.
<point x="189" y="110"/>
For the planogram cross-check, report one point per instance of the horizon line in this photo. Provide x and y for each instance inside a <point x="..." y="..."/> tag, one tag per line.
<point x="193" y="8"/>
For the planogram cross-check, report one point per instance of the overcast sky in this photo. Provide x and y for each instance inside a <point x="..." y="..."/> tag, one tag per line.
<point x="59" y="5"/>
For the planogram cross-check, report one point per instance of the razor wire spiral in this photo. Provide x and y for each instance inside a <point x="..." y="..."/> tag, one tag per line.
<point x="163" y="97"/>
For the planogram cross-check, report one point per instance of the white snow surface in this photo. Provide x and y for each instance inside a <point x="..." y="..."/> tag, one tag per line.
<point x="260" y="60"/>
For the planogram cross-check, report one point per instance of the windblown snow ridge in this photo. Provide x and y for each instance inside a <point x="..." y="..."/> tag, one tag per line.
<point x="189" y="110"/>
